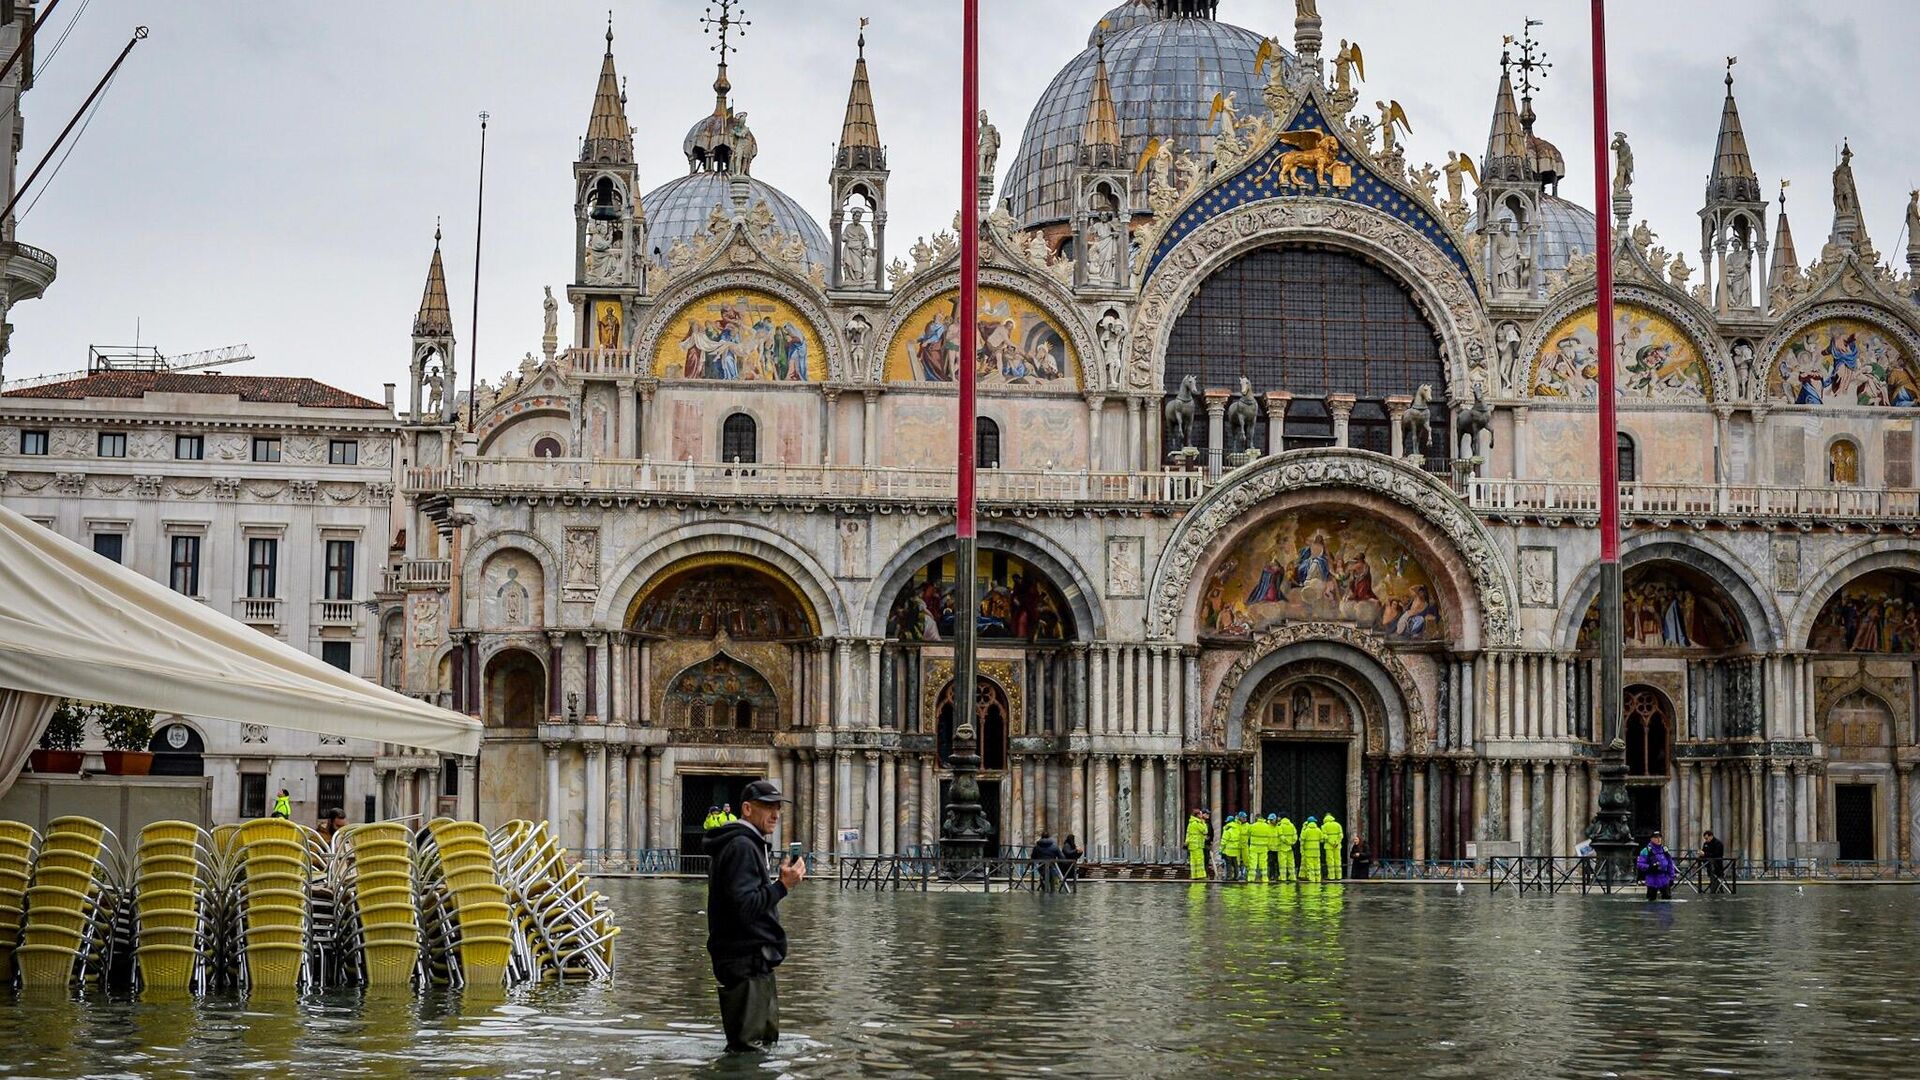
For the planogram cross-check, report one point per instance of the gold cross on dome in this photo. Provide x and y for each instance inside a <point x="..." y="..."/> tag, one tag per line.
<point x="724" y="24"/>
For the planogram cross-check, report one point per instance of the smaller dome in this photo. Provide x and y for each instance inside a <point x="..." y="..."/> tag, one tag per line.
<point x="1566" y="229"/>
<point x="722" y="143"/>
<point x="1546" y="160"/>
<point x="680" y="209"/>
<point x="1128" y="15"/>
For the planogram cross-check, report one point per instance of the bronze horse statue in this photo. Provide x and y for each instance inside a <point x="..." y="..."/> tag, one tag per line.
<point x="1183" y="410"/>
<point x="1243" y="413"/>
<point x="1473" y="420"/>
<point x="1416" y="425"/>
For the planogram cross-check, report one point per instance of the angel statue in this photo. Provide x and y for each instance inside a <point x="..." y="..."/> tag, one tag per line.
<point x="1347" y="63"/>
<point x="1306" y="9"/>
<point x="1457" y="165"/>
<point x="1225" y="103"/>
<point x="1390" y="114"/>
<point x="1623" y="165"/>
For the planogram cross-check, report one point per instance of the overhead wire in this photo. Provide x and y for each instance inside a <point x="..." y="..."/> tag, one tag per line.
<point x="40" y="69"/>
<point x="77" y="136"/>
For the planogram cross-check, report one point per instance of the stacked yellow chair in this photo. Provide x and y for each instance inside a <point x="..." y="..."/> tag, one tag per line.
<point x="174" y="872"/>
<point x="72" y="900"/>
<point x="273" y="867"/>
<point x="458" y="856"/>
<point x="382" y="912"/>
<point x="18" y="845"/>
<point x="570" y="934"/>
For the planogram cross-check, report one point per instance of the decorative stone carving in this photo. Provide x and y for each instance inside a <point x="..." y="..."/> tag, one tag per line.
<point x="1786" y="563"/>
<point x="226" y="488"/>
<point x="426" y="618"/>
<point x="1125" y="559"/>
<point x="1445" y="291"/>
<point x="73" y="484"/>
<point x="582" y="560"/>
<point x="305" y="490"/>
<point x="148" y="487"/>
<point x="377" y="453"/>
<point x="1227" y="505"/>
<point x="1539" y="577"/>
<point x="253" y="733"/>
<point x="854" y="562"/>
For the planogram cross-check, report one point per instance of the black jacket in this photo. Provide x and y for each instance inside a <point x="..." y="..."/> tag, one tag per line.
<point x="742" y="903"/>
<point x="1045" y="849"/>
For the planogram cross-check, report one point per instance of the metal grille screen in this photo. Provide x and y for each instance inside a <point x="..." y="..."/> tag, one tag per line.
<point x="1302" y="778"/>
<point x="1314" y="323"/>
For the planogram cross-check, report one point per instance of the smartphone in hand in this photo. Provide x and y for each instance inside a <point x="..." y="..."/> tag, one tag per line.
<point x="793" y="851"/>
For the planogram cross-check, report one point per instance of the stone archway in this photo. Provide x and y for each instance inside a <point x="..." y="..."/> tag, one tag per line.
<point x="514" y="705"/>
<point x="1457" y="543"/>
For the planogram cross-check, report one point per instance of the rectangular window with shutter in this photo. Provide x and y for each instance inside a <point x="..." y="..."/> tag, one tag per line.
<point x="263" y="568"/>
<point x="1899" y="459"/>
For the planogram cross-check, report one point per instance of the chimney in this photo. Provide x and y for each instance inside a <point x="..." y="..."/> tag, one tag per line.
<point x="389" y="389"/>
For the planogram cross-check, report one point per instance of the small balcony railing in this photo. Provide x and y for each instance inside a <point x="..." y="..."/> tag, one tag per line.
<point x="1736" y="501"/>
<point x="260" y="610"/>
<point x="336" y="612"/>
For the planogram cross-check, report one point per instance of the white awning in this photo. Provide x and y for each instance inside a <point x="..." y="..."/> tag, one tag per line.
<point x="73" y="624"/>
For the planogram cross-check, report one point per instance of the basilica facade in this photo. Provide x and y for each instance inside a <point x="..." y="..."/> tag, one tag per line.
<point x="1288" y="498"/>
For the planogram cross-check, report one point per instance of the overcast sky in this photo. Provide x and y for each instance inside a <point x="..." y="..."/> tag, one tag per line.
<point x="270" y="173"/>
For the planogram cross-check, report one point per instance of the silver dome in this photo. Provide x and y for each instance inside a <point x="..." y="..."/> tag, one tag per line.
<point x="1165" y="72"/>
<point x="679" y="210"/>
<point x="1566" y="229"/>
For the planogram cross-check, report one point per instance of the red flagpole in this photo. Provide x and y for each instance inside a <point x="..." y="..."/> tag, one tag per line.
<point x="1610" y="575"/>
<point x="965" y="831"/>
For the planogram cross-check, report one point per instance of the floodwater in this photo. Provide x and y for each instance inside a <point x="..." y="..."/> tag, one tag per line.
<point x="1123" y="980"/>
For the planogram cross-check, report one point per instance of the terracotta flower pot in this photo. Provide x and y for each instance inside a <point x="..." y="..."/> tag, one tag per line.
<point x="57" y="761"/>
<point x="127" y="762"/>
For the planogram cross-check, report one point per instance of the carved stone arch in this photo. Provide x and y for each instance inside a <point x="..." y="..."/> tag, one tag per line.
<point x="1683" y="311"/>
<point x="1806" y="314"/>
<point x="767" y="277"/>
<point x="1891" y="695"/>
<point x="1044" y="293"/>
<point x="489" y="645"/>
<point x="475" y="563"/>
<point x="1856" y="562"/>
<point x="1443" y="292"/>
<point x="1031" y="545"/>
<point x="1220" y="514"/>
<point x="502" y="419"/>
<point x="827" y="607"/>
<point x="1749" y="595"/>
<point x="592" y="180"/>
<point x="1367" y="654"/>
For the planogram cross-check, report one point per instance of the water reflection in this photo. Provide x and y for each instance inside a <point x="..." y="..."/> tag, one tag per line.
<point x="1133" y="981"/>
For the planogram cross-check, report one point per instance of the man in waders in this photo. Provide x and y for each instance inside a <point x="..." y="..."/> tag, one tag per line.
<point x="744" y="935"/>
<point x="1197" y="833"/>
<point x="1310" y="841"/>
<point x="1333" y="846"/>
<point x="1284" y="837"/>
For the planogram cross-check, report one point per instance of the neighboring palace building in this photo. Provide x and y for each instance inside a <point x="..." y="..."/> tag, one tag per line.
<point x="268" y="499"/>
<point x="1290" y="484"/>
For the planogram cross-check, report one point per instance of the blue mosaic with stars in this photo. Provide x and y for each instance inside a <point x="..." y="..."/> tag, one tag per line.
<point x="1260" y="180"/>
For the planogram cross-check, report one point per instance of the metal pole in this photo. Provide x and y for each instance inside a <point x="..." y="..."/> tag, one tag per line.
<point x="473" y="335"/>
<point x="1611" y="830"/>
<point x="963" y="828"/>
<point x="139" y="35"/>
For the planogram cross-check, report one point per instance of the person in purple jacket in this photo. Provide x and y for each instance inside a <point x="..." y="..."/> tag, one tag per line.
<point x="1656" y="869"/>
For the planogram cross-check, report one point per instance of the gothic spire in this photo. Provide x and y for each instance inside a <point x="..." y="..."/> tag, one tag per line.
<point x="860" y="133"/>
<point x="1785" y="260"/>
<point x="435" y="319"/>
<point x="609" y="137"/>
<point x="1507" y="143"/>
<point x="1100" y="136"/>
<point x="1733" y="178"/>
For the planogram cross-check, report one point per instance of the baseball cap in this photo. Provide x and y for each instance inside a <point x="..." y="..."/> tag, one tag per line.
<point x="763" y="791"/>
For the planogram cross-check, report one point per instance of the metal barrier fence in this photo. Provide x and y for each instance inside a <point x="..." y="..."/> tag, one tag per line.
<point x="1557" y="873"/>
<point x="1426" y="870"/>
<point x="915" y="873"/>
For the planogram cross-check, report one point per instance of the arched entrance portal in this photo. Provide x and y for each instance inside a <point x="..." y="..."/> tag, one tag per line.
<point x="991" y="728"/>
<point x="511" y="761"/>
<point x="1306" y="725"/>
<point x="1647" y="716"/>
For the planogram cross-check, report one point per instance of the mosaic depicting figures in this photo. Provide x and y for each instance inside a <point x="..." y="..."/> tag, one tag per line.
<point x="1321" y="567"/>
<point x="1877" y="613"/>
<point x="1666" y="607"/>
<point x="1653" y="359"/>
<point x="707" y="601"/>
<point x="1018" y="344"/>
<point x="742" y="335"/>
<point x="1845" y="362"/>
<point x="1017" y="602"/>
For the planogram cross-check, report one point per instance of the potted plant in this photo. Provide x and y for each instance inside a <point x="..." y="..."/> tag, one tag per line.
<point x="59" y="750"/>
<point x="129" y="733"/>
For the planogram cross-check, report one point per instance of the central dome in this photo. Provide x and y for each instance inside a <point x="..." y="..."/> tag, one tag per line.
<point x="1165" y="66"/>
<point x="679" y="210"/>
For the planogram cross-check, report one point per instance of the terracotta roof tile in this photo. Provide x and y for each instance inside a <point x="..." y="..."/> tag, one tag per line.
<point x="260" y="388"/>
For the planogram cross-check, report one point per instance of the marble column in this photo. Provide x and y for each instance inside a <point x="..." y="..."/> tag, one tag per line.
<point x="596" y="797"/>
<point x="1157" y="711"/>
<point x="1516" y="804"/>
<point x="869" y="421"/>
<point x="1419" y="768"/>
<point x="1779" y="799"/>
<point x="553" y="787"/>
<point x="1097" y="686"/>
<point x="1139" y="458"/>
<point x="1341" y="406"/>
<point x="1101" y="829"/>
<point x="638" y="811"/>
<point x="1095" y="403"/>
<point x="870" y="804"/>
<point x="888" y="802"/>
<point x="596" y="679"/>
<point x="871" y="713"/>
<point x="1903" y="778"/>
<point x="469" y="789"/>
<point x="1556" y="832"/>
<point x="929" y="801"/>
<point x="1216" y="429"/>
<point x="1077" y="798"/>
<point x="843" y="809"/>
<point x="1150" y="812"/>
<point x="617" y="804"/>
<point x="1480" y="780"/>
<point x="1397" y="407"/>
<point x="1756" y="811"/>
<point x="1277" y="402"/>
